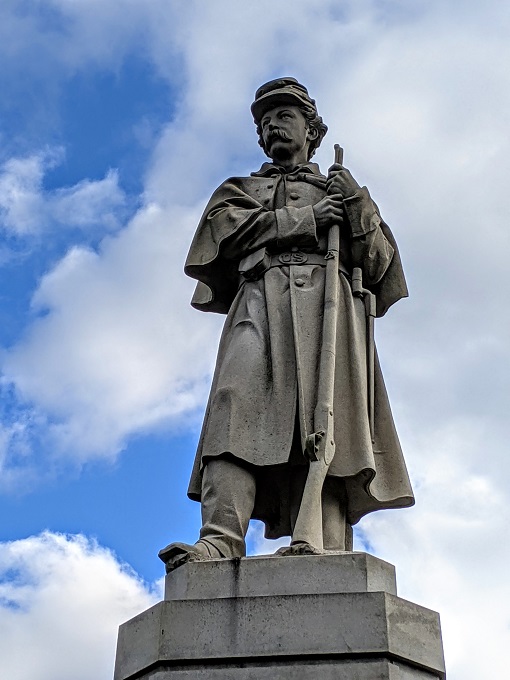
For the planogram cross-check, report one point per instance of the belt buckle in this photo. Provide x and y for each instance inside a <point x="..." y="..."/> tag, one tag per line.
<point x="294" y="257"/>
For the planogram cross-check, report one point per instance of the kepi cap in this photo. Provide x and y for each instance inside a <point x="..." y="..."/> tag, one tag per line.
<point x="280" y="91"/>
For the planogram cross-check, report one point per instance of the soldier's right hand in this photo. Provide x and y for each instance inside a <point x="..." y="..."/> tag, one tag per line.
<point x="329" y="211"/>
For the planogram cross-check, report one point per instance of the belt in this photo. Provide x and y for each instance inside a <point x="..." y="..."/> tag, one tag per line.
<point x="254" y="266"/>
<point x="296" y="257"/>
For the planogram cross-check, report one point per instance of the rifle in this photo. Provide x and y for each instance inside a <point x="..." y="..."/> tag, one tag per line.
<point x="370" y="311"/>
<point x="320" y="445"/>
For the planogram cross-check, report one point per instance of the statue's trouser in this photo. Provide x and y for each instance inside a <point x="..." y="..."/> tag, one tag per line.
<point x="228" y="499"/>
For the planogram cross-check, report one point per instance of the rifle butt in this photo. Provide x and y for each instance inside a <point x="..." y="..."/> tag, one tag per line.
<point x="308" y="527"/>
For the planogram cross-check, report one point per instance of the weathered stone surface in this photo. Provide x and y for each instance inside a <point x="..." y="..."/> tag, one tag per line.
<point x="368" y="635"/>
<point x="374" y="669"/>
<point x="269" y="575"/>
<point x="268" y="627"/>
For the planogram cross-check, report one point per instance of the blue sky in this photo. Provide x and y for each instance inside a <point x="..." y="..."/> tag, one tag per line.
<point x="99" y="119"/>
<point x="118" y="118"/>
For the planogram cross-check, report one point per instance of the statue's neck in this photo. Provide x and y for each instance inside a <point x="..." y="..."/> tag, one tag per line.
<point x="292" y="162"/>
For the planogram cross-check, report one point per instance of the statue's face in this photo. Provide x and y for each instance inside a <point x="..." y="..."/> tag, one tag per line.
<point x="285" y="132"/>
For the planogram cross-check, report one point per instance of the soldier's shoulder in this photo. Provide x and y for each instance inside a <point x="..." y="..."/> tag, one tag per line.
<point x="245" y="184"/>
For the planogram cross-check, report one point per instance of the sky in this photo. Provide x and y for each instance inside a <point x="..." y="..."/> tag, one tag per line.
<point x="118" y="118"/>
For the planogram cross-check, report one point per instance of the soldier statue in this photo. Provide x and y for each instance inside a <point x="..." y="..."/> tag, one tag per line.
<point x="298" y="430"/>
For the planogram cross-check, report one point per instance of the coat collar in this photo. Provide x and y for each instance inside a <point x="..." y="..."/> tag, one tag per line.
<point x="271" y="170"/>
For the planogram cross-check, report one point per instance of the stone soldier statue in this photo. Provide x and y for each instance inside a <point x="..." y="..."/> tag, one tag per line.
<point x="259" y="255"/>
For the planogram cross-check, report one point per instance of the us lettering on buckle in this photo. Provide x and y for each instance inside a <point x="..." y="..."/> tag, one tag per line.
<point x="296" y="257"/>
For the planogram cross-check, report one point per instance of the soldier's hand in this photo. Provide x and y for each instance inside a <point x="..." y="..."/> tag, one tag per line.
<point x="328" y="211"/>
<point x="341" y="182"/>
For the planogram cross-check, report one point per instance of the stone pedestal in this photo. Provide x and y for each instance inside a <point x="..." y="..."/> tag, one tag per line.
<point x="326" y="617"/>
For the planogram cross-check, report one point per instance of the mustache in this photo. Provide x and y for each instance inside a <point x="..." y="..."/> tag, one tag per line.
<point x="277" y="134"/>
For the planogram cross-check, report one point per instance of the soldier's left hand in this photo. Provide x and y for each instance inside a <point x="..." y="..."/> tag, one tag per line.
<point x="341" y="182"/>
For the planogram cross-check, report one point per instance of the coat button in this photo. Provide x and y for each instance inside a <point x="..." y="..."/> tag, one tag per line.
<point x="293" y="195"/>
<point x="299" y="282"/>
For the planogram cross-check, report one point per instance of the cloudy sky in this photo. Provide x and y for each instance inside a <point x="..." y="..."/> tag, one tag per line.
<point x="117" y="120"/>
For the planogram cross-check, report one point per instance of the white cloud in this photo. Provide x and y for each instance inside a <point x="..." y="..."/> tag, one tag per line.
<point x="117" y="350"/>
<point x="257" y="544"/>
<point x="62" y="599"/>
<point x="26" y="208"/>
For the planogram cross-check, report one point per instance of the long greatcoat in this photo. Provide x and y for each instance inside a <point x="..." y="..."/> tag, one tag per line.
<point x="264" y="388"/>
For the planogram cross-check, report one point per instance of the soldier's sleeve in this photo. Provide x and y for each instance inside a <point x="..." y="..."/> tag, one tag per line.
<point x="371" y="250"/>
<point x="259" y="227"/>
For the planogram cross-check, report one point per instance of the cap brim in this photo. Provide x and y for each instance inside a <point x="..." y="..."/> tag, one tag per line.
<point x="276" y="98"/>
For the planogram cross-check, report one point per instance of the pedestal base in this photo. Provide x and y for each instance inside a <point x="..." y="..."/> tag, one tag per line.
<point x="320" y="670"/>
<point x="332" y="616"/>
